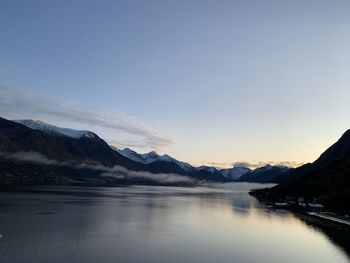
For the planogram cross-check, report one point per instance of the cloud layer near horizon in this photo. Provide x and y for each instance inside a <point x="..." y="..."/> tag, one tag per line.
<point x="261" y="164"/>
<point x="22" y="103"/>
<point x="250" y="165"/>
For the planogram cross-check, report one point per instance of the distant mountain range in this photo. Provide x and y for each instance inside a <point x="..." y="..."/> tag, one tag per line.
<point x="156" y="162"/>
<point x="326" y="180"/>
<point x="265" y="174"/>
<point x="82" y="146"/>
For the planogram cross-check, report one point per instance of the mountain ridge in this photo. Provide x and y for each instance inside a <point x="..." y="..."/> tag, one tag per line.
<point x="327" y="179"/>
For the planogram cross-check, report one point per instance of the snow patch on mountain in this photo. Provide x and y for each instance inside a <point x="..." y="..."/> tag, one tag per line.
<point x="150" y="157"/>
<point x="167" y="158"/>
<point x="51" y="129"/>
<point x="128" y="153"/>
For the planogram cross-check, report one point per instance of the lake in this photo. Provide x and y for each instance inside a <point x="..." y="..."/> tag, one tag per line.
<point x="157" y="224"/>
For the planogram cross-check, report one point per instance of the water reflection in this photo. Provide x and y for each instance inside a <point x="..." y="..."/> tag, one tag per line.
<point x="157" y="224"/>
<point x="337" y="234"/>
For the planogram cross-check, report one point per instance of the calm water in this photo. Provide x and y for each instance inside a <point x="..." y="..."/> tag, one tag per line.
<point x="154" y="224"/>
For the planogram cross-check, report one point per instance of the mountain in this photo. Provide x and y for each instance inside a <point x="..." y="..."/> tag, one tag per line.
<point x="208" y="173"/>
<point x="327" y="179"/>
<point x="156" y="163"/>
<point x="50" y="142"/>
<point x="209" y="169"/>
<point x="234" y="173"/>
<point x="144" y="158"/>
<point x="161" y="166"/>
<point x="166" y="164"/>
<point x="185" y="166"/>
<point x="337" y="151"/>
<point x="265" y="174"/>
<point x="128" y="153"/>
<point x="150" y="157"/>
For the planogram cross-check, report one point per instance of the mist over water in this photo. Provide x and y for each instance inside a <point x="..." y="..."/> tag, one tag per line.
<point x="154" y="224"/>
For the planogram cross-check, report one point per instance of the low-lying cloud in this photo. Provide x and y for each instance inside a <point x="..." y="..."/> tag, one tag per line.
<point x="116" y="172"/>
<point x="261" y="164"/>
<point x="250" y="165"/>
<point x="32" y="157"/>
<point x="123" y="173"/>
<point x="21" y="103"/>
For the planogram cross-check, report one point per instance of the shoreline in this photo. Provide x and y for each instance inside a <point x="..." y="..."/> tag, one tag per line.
<point x="326" y="216"/>
<point x="303" y="208"/>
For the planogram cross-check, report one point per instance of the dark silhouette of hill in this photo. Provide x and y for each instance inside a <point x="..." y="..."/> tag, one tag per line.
<point x="327" y="179"/>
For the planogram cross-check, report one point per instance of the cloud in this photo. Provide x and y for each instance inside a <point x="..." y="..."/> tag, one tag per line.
<point x="244" y="164"/>
<point x="122" y="173"/>
<point x="215" y="164"/>
<point x="117" y="172"/>
<point x="261" y="164"/>
<point x="33" y="157"/>
<point x="223" y="165"/>
<point x="20" y="103"/>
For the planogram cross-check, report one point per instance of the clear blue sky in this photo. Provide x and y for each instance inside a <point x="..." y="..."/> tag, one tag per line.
<point x="214" y="81"/>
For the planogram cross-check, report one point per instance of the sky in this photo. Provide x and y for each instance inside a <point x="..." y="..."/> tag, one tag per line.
<point x="208" y="82"/>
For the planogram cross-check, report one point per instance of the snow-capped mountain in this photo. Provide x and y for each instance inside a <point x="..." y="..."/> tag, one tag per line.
<point x="208" y="173"/>
<point x="167" y="158"/>
<point x="127" y="152"/>
<point x="235" y="172"/>
<point x="60" y="144"/>
<point x="144" y="158"/>
<point x="150" y="157"/>
<point x="51" y="129"/>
